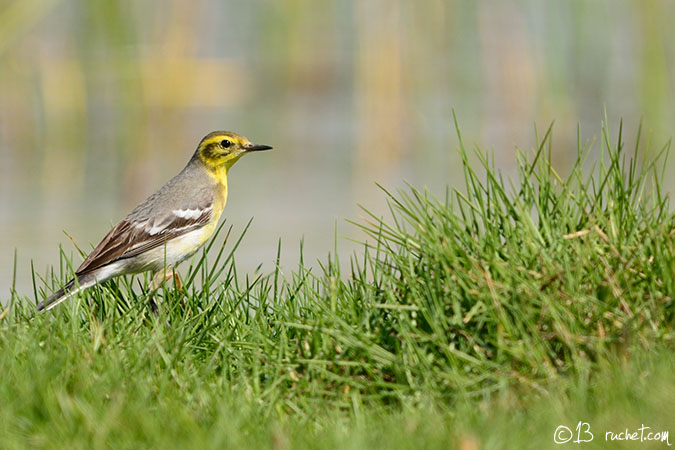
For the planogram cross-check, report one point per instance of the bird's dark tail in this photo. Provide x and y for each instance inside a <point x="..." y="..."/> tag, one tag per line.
<point x="74" y="286"/>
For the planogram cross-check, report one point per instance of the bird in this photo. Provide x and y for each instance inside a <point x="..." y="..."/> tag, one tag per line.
<point x="170" y="225"/>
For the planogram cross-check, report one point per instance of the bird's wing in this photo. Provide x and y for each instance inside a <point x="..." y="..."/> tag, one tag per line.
<point x="133" y="236"/>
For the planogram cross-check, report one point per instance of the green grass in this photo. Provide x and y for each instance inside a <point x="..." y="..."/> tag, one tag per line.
<point x="483" y="319"/>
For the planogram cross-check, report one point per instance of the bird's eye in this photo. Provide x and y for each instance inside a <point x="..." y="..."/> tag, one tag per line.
<point x="225" y="143"/>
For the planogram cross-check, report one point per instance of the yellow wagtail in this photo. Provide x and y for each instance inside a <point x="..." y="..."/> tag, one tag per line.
<point x="170" y="225"/>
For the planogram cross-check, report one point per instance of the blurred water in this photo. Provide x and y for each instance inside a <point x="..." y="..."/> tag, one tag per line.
<point x="101" y="102"/>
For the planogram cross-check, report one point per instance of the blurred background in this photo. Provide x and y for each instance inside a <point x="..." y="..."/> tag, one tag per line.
<point x="102" y="102"/>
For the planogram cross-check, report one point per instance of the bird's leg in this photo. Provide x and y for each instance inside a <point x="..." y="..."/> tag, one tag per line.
<point x="176" y="281"/>
<point x="158" y="279"/>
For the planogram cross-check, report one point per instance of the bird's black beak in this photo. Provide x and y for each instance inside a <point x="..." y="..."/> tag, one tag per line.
<point x="256" y="147"/>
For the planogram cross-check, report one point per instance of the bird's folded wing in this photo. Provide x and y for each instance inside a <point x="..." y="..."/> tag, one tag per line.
<point x="132" y="237"/>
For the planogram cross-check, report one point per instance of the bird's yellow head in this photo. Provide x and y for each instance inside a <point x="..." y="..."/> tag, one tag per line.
<point x="219" y="150"/>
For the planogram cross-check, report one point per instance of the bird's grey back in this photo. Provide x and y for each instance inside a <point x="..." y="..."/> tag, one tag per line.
<point x="191" y="188"/>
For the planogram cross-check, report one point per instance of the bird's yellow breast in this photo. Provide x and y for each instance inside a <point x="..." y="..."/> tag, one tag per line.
<point x="219" y="201"/>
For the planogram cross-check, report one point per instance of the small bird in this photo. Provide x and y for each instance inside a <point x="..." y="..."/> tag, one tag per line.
<point x="170" y="225"/>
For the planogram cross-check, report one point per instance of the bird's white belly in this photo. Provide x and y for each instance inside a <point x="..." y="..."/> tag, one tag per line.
<point x="174" y="251"/>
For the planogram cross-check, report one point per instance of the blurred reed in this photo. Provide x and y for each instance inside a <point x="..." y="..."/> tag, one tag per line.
<point x="103" y="101"/>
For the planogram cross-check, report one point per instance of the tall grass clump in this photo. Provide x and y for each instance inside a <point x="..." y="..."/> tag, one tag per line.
<point x="500" y="285"/>
<point x="523" y="282"/>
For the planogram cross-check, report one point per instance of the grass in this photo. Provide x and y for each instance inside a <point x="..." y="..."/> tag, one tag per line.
<point x="481" y="320"/>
